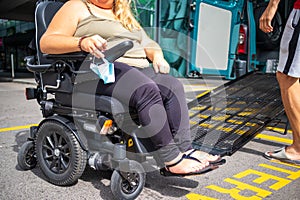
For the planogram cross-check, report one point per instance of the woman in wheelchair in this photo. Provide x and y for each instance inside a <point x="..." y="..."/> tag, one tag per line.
<point x="159" y="99"/>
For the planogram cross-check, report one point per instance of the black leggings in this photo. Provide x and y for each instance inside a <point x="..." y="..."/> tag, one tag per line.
<point x="160" y="102"/>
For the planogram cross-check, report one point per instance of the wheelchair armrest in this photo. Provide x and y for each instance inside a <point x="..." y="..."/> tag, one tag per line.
<point x="117" y="51"/>
<point x="67" y="56"/>
<point x="35" y="68"/>
<point x="111" y="54"/>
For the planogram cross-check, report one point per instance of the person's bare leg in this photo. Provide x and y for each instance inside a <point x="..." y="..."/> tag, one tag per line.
<point x="290" y="94"/>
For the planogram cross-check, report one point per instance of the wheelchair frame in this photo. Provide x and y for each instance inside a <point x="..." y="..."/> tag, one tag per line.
<point x="72" y="136"/>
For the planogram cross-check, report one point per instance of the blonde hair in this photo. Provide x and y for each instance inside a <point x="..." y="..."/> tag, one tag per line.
<point x="122" y="11"/>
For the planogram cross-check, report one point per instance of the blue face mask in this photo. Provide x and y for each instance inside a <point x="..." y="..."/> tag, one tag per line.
<point x="105" y="71"/>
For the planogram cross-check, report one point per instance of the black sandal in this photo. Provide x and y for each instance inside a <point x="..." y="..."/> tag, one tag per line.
<point x="217" y="162"/>
<point x="166" y="171"/>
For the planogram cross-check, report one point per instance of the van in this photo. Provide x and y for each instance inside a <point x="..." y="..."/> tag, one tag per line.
<point x="219" y="37"/>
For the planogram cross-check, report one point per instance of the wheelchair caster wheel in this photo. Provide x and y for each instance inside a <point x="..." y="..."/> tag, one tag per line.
<point x="26" y="156"/>
<point x="131" y="186"/>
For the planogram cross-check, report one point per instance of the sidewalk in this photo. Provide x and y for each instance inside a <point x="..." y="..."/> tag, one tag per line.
<point x="30" y="81"/>
<point x="20" y="77"/>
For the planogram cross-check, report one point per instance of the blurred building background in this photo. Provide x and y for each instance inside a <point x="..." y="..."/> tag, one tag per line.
<point x="15" y="37"/>
<point x="17" y="30"/>
<point x="163" y="20"/>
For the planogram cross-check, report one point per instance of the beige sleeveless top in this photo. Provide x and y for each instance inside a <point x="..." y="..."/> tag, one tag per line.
<point x="114" y="32"/>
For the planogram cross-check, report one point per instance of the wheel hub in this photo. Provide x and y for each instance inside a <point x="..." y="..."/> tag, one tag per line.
<point x="130" y="183"/>
<point x="56" y="152"/>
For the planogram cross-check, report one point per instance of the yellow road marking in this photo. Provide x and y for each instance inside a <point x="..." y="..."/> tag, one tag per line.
<point x="264" y="177"/>
<point x="14" y="128"/>
<point x="281" y="130"/>
<point x="240" y="186"/>
<point x="292" y="174"/>
<point x="203" y="93"/>
<point x="274" y="138"/>
<point x="286" y="164"/>
<point x="259" y="177"/>
<point x="193" y="196"/>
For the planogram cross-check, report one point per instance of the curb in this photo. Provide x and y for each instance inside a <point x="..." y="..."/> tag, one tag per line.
<point x="22" y="81"/>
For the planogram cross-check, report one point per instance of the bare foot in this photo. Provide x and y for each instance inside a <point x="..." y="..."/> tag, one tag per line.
<point x="186" y="166"/>
<point x="203" y="156"/>
<point x="292" y="153"/>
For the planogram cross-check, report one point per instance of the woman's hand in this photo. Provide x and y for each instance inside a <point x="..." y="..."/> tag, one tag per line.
<point x="160" y="65"/>
<point x="94" y="45"/>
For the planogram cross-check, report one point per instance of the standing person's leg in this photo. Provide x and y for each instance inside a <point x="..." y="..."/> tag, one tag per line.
<point x="290" y="93"/>
<point x="288" y="78"/>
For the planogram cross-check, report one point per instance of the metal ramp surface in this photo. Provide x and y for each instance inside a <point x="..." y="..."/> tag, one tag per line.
<point x="226" y="118"/>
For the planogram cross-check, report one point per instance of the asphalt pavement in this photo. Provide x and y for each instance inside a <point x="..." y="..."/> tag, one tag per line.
<point x="246" y="175"/>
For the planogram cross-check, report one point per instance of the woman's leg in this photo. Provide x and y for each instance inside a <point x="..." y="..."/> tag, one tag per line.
<point x="135" y="89"/>
<point x="175" y="104"/>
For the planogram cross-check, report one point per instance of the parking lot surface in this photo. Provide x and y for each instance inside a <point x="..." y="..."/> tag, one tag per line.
<point x="246" y="175"/>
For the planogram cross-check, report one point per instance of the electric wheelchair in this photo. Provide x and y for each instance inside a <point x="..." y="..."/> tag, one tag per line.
<point x="80" y="128"/>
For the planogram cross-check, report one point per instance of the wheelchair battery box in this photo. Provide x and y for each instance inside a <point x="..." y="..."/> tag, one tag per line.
<point x="31" y="93"/>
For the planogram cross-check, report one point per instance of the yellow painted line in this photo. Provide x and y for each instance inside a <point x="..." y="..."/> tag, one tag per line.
<point x="291" y="174"/>
<point x="234" y="192"/>
<point x="273" y="182"/>
<point x="203" y="93"/>
<point x="286" y="164"/>
<point x="274" y="138"/>
<point x="281" y="130"/>
<point x="264" y="177"/>
<point x="193" y="196"/>
<point x="15" y="128"/>
<point x="202" y="116"/>
<point x="238" y="122"/>
<point x="197" y="108"/>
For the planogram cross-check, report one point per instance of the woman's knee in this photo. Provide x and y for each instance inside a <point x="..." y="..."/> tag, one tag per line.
<point x="149" y="89"/>
<point x="146" y="94"/>
<point x="171" y="83"/>
<point x="177" y="85"/>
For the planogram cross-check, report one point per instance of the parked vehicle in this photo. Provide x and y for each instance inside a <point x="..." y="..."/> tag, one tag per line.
<point x="223" y="37"/>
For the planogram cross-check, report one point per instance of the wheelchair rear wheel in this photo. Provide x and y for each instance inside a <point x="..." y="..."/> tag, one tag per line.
<point x="59" y="154"/>
<point x="26" y="156"/>
<point x="131" y="186"/>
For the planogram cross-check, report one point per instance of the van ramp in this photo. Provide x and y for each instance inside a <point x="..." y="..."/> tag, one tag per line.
<point x="226" y="118"/>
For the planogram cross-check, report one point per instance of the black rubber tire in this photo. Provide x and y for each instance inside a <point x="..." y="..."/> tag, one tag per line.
<point x="268" y="41"/>
<point x="26" y="156"/>
<point x="59" y="154"/>
<point x="121" y="188"/>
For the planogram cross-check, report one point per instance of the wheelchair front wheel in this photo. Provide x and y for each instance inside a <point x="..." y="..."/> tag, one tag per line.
<point x="26" y="156"/>
<point x="131" y="186"/>
<point x="59" y="154"/>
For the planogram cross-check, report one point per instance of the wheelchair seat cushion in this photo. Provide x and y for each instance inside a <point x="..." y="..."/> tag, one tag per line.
<point x="90" y="102"/>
